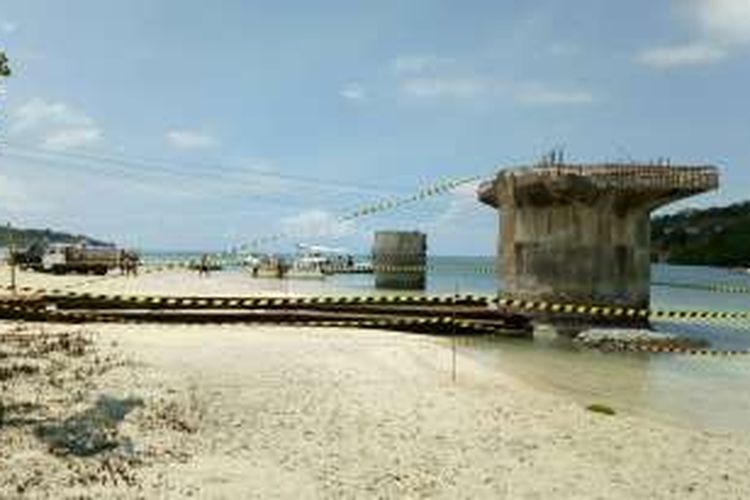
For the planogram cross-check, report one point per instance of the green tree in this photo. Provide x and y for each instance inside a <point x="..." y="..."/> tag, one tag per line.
<point x="4" y="68"/>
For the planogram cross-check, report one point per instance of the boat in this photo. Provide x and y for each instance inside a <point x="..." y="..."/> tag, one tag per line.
<point x="361" y="268"/>
<point x="310" y="262"/>
<point x="308" y="267"/>
<point x="331" y="260"/>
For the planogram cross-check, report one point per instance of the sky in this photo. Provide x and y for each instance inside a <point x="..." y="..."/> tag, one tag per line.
<point x="195" y="125"/>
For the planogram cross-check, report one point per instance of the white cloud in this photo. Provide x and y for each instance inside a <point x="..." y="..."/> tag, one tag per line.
<point x="353" y="92"/>
<point x="189" y="139"/>
<point x="71" y="138"/>
<point x="682" y="55"/>
<point x="420" y="63"/>
<point x="7" y="27"/>
<point x="724" y="20"/>
<point x="315" y="223"/>
<point x="535" y="94"/>
<point x="723" y="25"/>
<point x="53" y="124"/>
<point x="38" y="113"/>
<point x="541" y="95"/>
<point x="430" y="77"/>
<point x="437" y="86"/>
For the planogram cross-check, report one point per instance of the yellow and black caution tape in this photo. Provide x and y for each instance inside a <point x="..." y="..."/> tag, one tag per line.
<point x="396" y="268"/>
<point x="520" y="305"/>
<point x="615" y="311"/>
<point x="688" y="350"/>
<point x="429" y="325"/>
<point x="663" y="348"/>
<point x="452" y="324"/>
<point x="709" y="287"/>
<point x="380" y="206"/>
<point x="422" y="194"/>
<point x="336" y="269"/>
<point x="44" y="312"/>
<point x="267" y="301"/>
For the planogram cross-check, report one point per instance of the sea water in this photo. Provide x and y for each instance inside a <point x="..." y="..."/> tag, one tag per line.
<point x="710" y="392"/>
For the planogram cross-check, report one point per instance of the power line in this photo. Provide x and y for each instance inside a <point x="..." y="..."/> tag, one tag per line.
<point x="192" y="169"/>
<point x="212" y="187"/>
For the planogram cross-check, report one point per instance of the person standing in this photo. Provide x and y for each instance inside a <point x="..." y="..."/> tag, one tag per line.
<point x="203" y="268"/>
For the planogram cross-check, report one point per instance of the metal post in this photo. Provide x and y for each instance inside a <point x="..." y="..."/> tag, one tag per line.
<point x="11" y="259"/>
<point x="453" y="337"/>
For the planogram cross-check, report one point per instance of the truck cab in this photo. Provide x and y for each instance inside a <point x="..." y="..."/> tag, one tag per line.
<point x="54" y="258"/>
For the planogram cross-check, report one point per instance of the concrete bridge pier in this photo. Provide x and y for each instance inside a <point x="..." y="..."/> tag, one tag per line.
<point x="581" y="233"/>
<point x="399" y="260"/>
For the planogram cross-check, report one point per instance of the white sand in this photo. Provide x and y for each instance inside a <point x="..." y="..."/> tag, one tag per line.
<point x="175" y="282"/>
<point x="337" y="413"/>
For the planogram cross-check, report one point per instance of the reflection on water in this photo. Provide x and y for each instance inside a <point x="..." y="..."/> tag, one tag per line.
<point x="695" y="391"/>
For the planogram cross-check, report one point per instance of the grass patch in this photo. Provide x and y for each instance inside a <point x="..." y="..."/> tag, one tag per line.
<point x="600" y="408"/>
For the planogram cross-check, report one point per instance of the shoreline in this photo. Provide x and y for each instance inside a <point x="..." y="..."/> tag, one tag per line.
<point x="290" y="412"/>
<point x="231" y="411"/>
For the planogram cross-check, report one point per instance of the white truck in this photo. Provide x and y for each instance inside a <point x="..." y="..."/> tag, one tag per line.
<point x="62" y="258"/>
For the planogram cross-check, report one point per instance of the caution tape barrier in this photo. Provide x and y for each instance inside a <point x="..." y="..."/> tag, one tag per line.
<point x="380" y="206"/>
<point x="404" y="324"/>
<point x="45" y="313"/>
<point x="254" y="301"/>
<point x="615" y="311"/>
<point x="335" y="269"/>
<point x="444" y="324"/>
<point x="709" y="287"/>
<point x="657" y="347"/>
<point x="520" y="305"/>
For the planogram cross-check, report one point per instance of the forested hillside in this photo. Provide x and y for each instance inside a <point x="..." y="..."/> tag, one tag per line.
<point x="20" y="237"/>
<point x="714" y="236"/>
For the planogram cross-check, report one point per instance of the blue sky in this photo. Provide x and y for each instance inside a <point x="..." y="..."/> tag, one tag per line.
<point x="198" y="125"/>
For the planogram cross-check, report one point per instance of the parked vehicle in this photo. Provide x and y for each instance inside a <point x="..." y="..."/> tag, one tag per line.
<point x="64" y="258"/>
<point x="29" y="257"/>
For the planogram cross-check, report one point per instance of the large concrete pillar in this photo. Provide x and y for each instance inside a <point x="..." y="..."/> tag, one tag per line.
<point x="399" y="260"/>
<point x="581" y="233"/>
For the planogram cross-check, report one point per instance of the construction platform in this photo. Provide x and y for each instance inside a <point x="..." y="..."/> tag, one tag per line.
<point x="574" y="233"/>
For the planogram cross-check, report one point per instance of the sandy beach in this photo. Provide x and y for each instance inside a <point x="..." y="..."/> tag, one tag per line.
<point x="155" y="281"/>
<point x="279" y="412"/>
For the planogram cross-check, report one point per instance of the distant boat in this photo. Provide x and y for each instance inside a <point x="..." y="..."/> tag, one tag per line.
<point x="311" y="262"/>
<point x="356" y="268"/>
<point x="330" y="260"/>
<point x="308" y="267"/>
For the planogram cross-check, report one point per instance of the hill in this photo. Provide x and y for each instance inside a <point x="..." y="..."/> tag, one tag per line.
<point x="22" y="237"/>
<point x="717" y="236"/>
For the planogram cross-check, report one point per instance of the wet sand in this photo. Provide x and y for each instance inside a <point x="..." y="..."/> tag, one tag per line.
<point x="278" y="412"/>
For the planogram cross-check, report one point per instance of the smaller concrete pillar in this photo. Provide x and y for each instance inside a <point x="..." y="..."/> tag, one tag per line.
<point x="399" y="260"/>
